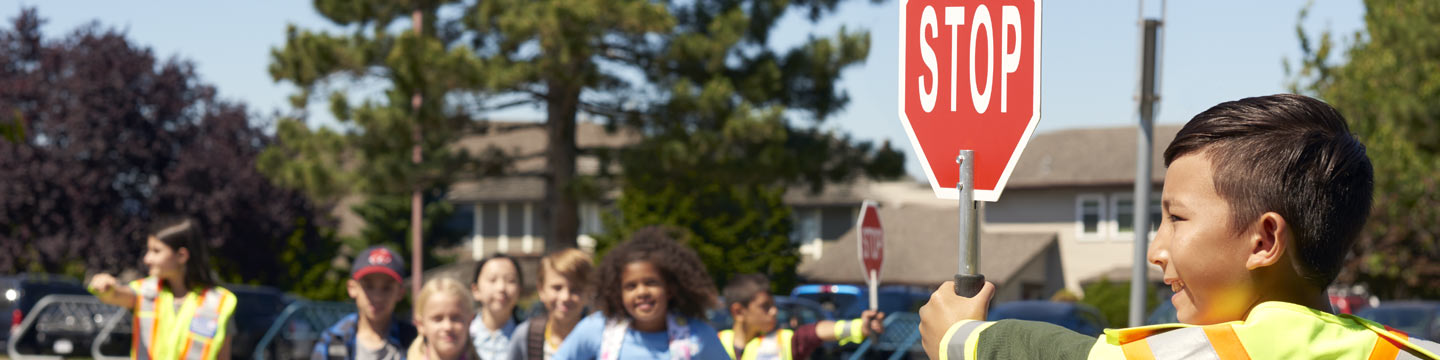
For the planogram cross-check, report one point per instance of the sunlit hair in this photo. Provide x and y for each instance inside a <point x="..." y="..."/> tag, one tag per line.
<point x="572" y="264"/>
<point x="447" y="286"/>
<point x="443" y="285"/>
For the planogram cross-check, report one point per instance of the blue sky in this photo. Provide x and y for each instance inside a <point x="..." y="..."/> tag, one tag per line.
<point x="1214" y="51"/>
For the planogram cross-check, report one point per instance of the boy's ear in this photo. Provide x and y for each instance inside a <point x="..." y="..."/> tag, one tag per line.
<point x="352" y="287"/>
<point x="1269" y="242"/>
<point x="736" y="309"/>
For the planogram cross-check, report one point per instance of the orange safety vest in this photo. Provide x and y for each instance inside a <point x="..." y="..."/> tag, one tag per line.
<point x="158" y="333"/>
<point x="1273" y="330"/>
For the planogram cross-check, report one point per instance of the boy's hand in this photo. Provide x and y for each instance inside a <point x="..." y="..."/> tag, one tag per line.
<point x="945" y="309"/>
<point x="874" y="323"/>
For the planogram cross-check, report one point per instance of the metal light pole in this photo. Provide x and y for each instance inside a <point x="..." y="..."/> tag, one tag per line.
<point x="416" y="244"/>
<point x="1149" y="95"/>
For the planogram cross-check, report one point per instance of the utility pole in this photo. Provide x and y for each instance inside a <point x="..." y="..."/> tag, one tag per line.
<point x="416" y="244"/>
<point x="1148" y="96"/>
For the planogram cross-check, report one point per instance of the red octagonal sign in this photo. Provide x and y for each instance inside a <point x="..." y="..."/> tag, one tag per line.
<point x="969" y="80"/>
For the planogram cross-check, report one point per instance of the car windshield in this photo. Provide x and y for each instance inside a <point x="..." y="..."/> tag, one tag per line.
<point x="1410" y="320"/>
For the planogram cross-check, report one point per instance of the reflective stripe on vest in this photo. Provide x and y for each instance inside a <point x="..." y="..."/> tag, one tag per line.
<point x="1427" y="345"/>
<point x="192" y="330"/>
<point x="776" y="345"/>
<point x="1218" y="342"/>
<point x="204" y="325"/>
<point x="146" y="320"/>
<point x="957" y="344"/>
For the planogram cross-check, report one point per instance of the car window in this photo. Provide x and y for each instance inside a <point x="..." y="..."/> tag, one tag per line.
<point x="1410" y="320"/>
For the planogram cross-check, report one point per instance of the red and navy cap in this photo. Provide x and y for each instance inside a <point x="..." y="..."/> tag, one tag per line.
<point x="378" y="259"/>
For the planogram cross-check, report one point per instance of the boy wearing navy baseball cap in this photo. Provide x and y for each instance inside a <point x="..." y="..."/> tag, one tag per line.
<point x="376" y="279"/>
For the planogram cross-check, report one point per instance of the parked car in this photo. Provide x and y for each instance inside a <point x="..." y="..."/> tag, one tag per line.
<point x="848" y="301"/>
<point x="18" y="296"/>
<point x="256" y="308"/>
<point x="1077" y="317"/>
<point x="790" y="313"/>
<point x="1164" y="313"/>
<point x="1418" y="318"/>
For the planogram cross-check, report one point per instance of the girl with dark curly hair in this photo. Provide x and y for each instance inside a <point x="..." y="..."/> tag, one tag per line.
<point x="652" y="295"/>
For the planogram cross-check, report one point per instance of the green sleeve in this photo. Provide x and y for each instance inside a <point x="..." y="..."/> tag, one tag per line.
<point x="1019" y="339"/>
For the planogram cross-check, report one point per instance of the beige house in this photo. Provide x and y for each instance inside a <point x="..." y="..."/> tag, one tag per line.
<point x="1079" y="185"/>
<point x="1064" y="220"/>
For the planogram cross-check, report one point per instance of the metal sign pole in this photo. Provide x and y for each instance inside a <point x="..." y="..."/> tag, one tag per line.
<point x="969" y="280"/>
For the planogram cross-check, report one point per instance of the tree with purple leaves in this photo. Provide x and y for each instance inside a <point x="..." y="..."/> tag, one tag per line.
<point x="111" y="138"/>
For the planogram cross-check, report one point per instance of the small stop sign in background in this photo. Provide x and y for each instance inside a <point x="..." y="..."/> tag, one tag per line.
<point x="950" y="103"/>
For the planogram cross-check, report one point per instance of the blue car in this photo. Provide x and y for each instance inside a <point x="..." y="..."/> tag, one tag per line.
<point x="790" y="313"/>
<point x="1418" y="318"/>
<point x="1077" y="317"/>
<point x="848" y="301"/>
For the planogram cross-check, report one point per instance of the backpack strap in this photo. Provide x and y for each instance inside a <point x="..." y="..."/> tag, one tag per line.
<point x="535" y="338"/>
<point x="339" y="342"/>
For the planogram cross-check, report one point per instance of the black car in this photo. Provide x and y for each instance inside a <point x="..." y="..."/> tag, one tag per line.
<point x="256" y="308"/>
<point x="64" y="326"/>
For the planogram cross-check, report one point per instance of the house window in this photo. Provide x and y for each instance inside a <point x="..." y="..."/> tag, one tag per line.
<point x="1089" y="210"/>
<point x="1124" y="205"/>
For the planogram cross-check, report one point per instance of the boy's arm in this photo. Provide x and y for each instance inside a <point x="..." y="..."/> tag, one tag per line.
<point x="954" y="327"/>
<point x="851" y="331"/>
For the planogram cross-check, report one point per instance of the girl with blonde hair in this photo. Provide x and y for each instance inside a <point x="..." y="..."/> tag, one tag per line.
<point x="443" y="312"/>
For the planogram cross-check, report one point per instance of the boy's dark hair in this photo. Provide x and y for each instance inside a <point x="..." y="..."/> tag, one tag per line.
<point x="183" y="232"/>
<point x="687" y="283"/>
<point x="1292" y="155"/>
<point x="744" y="288"/>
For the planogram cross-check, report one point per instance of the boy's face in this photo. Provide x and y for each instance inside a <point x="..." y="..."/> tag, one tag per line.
<point x="375" y="295"/>
<point x="1203" y="256"/>
<point x="563" y="298"/>
<point x="758" y="315"/>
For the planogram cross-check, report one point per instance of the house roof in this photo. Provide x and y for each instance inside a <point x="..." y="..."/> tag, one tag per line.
<point x="1088" y="157"/>
<point x="526" y="142"/>
<point x="921" y="249"/>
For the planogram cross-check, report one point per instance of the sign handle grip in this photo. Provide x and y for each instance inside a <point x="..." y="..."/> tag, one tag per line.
<point x="969" y="285"/>
<point x="874" y="294"/>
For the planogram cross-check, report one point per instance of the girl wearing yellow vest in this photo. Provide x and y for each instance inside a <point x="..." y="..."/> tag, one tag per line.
<point x="181" y="312"/>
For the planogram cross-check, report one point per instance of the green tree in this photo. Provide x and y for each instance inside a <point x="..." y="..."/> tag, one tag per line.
<point x="736" y="128"/>
<point x="1387" y="84"/>
<point x="570" y="56"/>
<point x="372" y="153"/>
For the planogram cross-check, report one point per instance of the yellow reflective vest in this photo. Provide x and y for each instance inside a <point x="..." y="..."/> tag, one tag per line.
<point x="774" y="346"/>
<point x="1273" y="330"/>
<point x="194" y="331"/>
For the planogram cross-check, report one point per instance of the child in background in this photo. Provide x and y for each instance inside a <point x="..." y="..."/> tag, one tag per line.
<point x="442" y="314"/>
<point x="755" y="336"/>
<point x="653" y="292"/>
<point x="371" y="332"/>
<point x="180" y="303"/>
<point x="496" y="288"/>
<point x="564" y="289"/>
